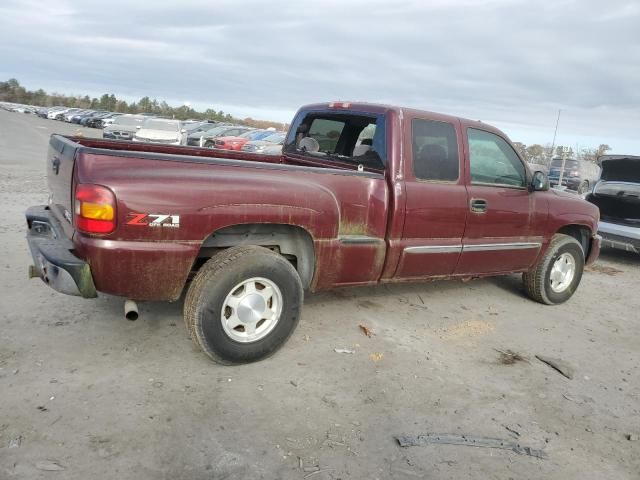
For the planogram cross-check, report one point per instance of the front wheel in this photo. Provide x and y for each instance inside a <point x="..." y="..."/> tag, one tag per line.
<point x="243" y="304"/>
<point x="557" y="276"/>
<point x="583" y="187"/>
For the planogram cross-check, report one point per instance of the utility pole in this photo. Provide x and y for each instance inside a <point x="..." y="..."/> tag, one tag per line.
<point x="553" y="144"/>
<point x="565" y="151"/>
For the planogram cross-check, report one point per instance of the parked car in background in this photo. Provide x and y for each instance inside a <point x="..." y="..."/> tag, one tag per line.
<point x="161" y="130"/>
<point x="270" y="145"/>
<point x="70" y="115"/>
<point x="579" y="175"/>
<point x="79" y="117"/>
<point x="236" y="142"/>
<point x="99" y="120"/>
<point x="207" y="138"/>
<point x="123" y="127"/>
<point x="51" y="115"/>
<point x="95" y="115"/>
<point x="617" y="195"/>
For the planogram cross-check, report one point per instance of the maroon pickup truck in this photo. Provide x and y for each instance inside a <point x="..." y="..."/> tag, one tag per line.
<point x="362" y="194"/>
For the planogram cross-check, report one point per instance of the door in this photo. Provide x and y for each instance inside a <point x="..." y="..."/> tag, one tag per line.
<point x="498" y="233"/>
<point x="436" y="201"/>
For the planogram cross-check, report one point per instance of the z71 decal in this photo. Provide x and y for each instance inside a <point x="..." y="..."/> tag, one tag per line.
<point x="153" y="220"/>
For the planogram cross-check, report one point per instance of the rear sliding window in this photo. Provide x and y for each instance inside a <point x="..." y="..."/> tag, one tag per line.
<point x="344" y="137"/>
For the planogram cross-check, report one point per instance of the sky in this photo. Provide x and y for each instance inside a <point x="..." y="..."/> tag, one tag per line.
<point x="510" y="63"/>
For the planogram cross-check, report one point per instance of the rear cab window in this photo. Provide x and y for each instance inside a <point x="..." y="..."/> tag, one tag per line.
<point x="346" y="138"/>
<point x="435" y="150"/>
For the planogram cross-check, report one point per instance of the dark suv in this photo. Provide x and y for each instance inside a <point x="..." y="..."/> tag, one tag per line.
<point x="578" y="174"/>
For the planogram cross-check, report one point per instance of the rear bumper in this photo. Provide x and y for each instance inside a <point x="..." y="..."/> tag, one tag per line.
<point x="53" y="261"/>
<point x="571" y="183"/>
<point x="621" y="237"/>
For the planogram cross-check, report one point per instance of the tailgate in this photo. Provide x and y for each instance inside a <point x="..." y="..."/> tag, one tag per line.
<point x="60" y="162"/>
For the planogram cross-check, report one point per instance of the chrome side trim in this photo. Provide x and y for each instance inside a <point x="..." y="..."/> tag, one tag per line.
<point x="500" y="246"/>
<point x="472" y="248"/>
<point x="434" y="249"/>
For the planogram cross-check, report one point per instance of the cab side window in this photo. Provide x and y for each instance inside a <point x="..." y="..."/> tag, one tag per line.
<point x="493" y="161"/>
<point x="435" y="151"/>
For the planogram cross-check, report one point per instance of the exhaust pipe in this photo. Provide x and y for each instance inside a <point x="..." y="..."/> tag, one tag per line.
<point x="131" y="310"/>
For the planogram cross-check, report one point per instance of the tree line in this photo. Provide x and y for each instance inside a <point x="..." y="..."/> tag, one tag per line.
<point x="12" y="91"/>
<point x="542" y="154"/>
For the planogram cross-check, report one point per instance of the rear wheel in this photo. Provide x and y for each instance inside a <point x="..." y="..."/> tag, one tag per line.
<point x="583" y="187"/>
<point x="243" y="304"/>
<point x="557" y="276"/>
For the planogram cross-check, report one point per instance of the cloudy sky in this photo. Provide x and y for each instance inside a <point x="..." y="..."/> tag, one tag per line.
<point x="511" y="63"/>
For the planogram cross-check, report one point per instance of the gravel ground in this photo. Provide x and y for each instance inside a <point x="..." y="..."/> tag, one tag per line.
<point x="86" y="394"/>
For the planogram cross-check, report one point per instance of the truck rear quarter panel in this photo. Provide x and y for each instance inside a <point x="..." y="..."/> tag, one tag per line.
<point x="337" y="209"/>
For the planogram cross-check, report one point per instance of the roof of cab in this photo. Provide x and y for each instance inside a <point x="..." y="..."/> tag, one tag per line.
<point x="378" y="108"/>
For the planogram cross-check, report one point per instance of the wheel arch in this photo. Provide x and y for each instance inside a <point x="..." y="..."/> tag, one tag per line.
<point x="293" y="242"/>
<point x="581" y="233"/>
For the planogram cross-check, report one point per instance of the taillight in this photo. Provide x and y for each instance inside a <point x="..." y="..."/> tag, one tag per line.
<point x="95" y="209"/>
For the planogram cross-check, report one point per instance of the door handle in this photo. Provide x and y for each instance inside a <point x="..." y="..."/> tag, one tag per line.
<point x="478" y="205"/>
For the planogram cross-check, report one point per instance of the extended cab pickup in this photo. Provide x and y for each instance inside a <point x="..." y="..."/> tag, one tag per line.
<point x="362" y="194"/>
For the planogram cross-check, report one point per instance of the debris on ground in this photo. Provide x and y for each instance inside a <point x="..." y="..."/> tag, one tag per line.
<point x="560" y="365"/>
<point x="308" y="475"/>
<point x="343" y="350"/>
<point x="604" y="269"/>
<point x="15" y="442"/>
<point x="366" y="330"/>
<point x="571" y="399"/>
<point x="469" y="441"/>
<point x="49" y="466"/>
<point x="515" y="432"/>
<point x="509" y="357"/>
<point x="467" y="329"/>
<point x="376" y="357"/>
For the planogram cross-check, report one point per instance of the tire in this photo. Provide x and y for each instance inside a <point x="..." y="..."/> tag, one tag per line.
<point x="539" y="283"/>
<point x="583" y="187"/>
<point x="266" y="293"/>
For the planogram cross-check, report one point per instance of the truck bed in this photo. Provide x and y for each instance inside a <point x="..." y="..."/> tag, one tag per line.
<point x="342" y="211"/>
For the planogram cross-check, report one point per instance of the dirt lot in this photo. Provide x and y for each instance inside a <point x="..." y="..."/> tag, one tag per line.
<point x="86" y="391"/>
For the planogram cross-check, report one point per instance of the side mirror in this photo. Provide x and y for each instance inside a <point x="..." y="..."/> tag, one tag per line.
<point x="539" y="181"/>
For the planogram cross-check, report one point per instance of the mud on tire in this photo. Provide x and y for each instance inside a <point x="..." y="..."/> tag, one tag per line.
<point x="243" y="304"/>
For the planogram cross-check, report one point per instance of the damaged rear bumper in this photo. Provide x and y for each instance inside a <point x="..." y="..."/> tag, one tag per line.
<point x="53" y="261"/>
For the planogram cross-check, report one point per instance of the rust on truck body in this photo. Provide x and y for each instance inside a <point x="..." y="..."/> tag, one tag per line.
<point x="366" y="226"/>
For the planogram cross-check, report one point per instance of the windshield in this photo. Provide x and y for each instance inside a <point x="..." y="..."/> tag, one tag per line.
<point x="569" y="164"/>
<point x="124" y="120"/>
<point x="164" y="125"/>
